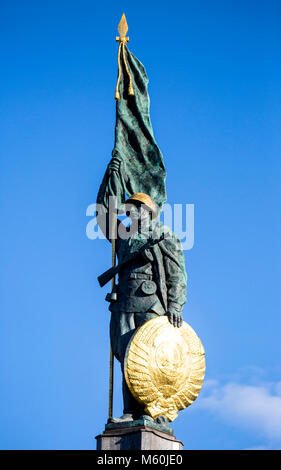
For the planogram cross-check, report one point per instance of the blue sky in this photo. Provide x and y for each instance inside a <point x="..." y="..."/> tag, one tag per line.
<point x="215" y="89"/>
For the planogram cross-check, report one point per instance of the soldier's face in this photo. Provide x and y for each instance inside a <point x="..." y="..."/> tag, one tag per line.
<point x="132" y="212"/>
<point x="138" y="213"/>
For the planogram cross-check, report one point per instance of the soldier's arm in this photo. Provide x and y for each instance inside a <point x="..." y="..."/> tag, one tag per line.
<point x="176" y="279"/>
<point x="110" y="197"/>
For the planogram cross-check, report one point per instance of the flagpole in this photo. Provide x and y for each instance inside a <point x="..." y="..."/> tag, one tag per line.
<point x="111" y="356"/>
<point x="122" y="28"/>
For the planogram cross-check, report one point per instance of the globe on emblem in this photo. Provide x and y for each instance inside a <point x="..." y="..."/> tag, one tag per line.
<point x="164" y="367"/>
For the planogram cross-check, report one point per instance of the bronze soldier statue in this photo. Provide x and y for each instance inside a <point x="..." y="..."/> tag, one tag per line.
<point x="152" y="280"/>
<point x="162" y="359"/>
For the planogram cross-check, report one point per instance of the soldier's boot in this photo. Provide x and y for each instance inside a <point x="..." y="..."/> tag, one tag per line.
<point x="162" y="420"/>
<point x="145" y="417"/>
<point x="125" y="418"/>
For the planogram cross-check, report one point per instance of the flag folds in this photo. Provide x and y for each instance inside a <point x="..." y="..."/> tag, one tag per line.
<point x="142" y="162"/>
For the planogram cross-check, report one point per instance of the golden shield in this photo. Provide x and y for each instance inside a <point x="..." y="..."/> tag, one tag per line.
<point x="164" y="367"/>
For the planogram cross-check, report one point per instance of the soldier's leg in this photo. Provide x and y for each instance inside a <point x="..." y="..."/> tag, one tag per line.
<point x="122" y="327"/>
<point x="131" y="405"/>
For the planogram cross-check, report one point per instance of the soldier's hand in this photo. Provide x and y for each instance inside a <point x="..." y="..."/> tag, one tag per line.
<point x="175" y="318"/>
<point x="114" y="165"/>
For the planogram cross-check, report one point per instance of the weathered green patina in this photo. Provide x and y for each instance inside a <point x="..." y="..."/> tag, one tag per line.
<point x="142" y="162"/>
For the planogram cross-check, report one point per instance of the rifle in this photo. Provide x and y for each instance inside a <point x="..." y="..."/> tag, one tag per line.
<point x="111" y="272"/>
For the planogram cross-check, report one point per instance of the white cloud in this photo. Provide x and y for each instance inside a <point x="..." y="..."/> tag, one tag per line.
<point x="256" y="408"/>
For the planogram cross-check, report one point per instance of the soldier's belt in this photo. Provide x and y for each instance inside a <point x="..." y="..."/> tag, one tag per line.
<point x="147" y="286"/>
<point x="147" y="277"/>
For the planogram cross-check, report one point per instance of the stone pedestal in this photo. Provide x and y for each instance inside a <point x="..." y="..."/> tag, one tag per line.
<point x="140" y="437"/>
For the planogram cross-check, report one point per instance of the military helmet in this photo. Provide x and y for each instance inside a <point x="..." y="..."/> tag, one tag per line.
<point x="144" y="199"/>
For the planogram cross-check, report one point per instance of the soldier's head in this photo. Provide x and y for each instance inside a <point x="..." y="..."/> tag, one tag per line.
<point x="140" y="207"/>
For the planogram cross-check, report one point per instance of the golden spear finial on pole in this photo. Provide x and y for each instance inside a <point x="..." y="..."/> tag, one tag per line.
<point x="123" y="29"/>
<point x="122" y="39"/>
